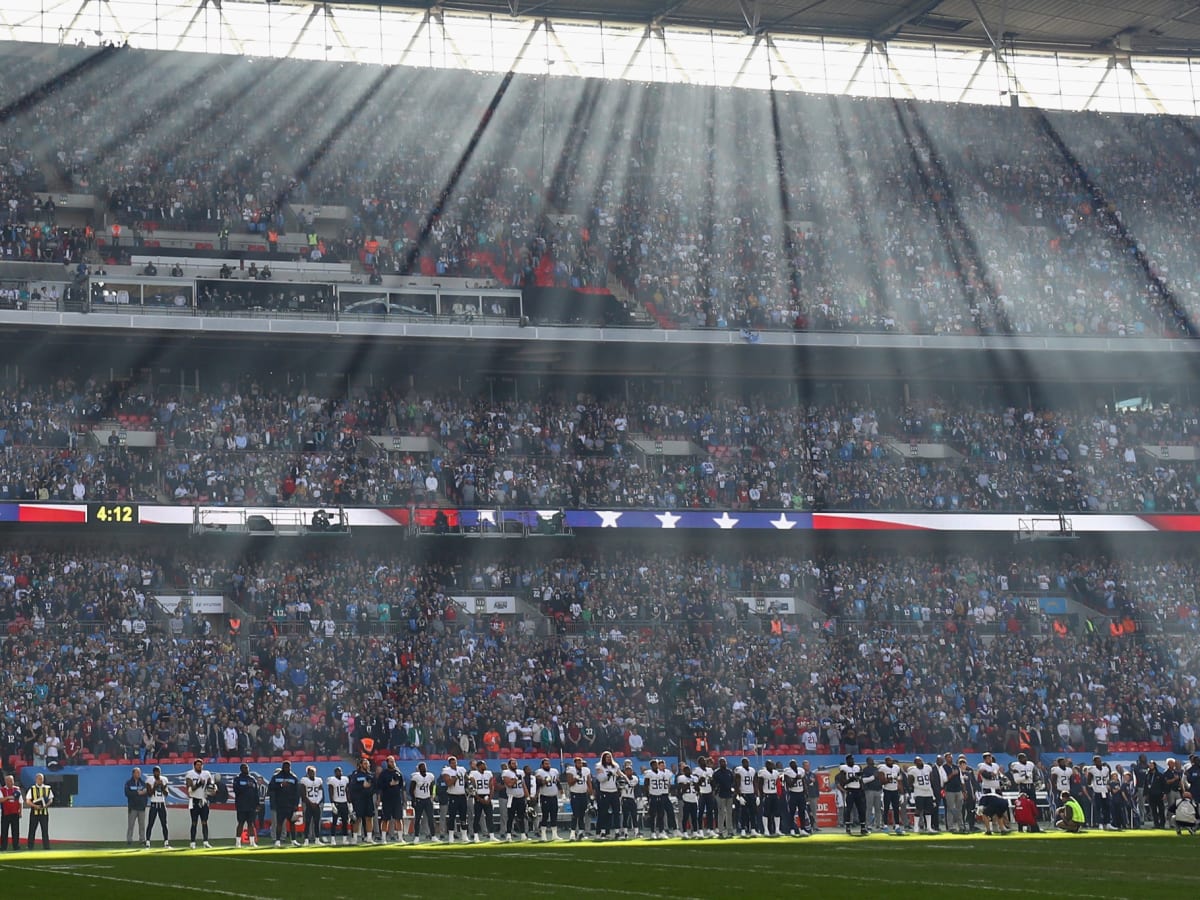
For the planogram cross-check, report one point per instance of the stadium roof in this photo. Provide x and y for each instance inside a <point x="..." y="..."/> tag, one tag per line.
<point x="1143" y="26"/>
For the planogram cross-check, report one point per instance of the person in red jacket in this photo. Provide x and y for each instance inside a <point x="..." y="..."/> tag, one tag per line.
<point x="1026" y="814"/>
<point x="10" y="814"/>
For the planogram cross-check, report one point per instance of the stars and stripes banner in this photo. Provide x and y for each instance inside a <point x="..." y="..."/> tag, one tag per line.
<point x="109" y="516"/>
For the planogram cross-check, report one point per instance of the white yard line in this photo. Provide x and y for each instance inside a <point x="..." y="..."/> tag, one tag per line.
<point x="169" y="886"/>
<point x="556" y="886"/>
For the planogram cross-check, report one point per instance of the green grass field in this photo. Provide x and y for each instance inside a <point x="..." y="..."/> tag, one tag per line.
<point x="1133" y="866"/>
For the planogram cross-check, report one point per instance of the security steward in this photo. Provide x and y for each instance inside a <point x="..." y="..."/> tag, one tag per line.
<point x="39" y="798"/>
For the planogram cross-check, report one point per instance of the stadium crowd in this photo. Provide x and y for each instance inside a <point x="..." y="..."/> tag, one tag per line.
<point x="627" y="652"/>
<point x="935" y="219"/>
<point x="247" y="443"/>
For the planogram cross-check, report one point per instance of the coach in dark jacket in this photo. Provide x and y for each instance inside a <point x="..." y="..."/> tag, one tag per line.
<point x="245" y="802"/>
<point x="136" y="793"/>
<point x="284" y="791"/>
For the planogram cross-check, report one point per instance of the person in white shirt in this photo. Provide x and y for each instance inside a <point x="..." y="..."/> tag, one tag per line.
<point x="745" y="795"/>
<point x="708" y="799"/>
<point x="481" y="787"/>
<point x="1061" y="775"/>
<point x="579" y="788"/>
<point x="159" y="788"/>
<point x="200" y="785"/>
<point x="608" y="797"/>
<point x="628" y="783"/>
<point x="420" y="789"/>
<point x="454" y="777"/>
<point x="658" y="791"/>
<point x="1097" y="777"/>
<point x="312" y="796"/>
<point x="1024" y="775"/>
<point x="338" y="786"/>
<point x="546" y="780"/>
<point x="517" y="792"/>
<point x="922" y="780"/>
<point x="689" y="802"/>
<point x="768" y="789"/>
<point x="988" y="772"/>
<point x="892" y="780"/>
<point x="849" y="779"/>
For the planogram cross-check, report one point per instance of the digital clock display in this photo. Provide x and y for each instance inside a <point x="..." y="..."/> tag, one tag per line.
<point x="113" y="513"/>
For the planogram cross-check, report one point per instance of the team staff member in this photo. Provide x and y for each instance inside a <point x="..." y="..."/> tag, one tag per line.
<point x="284" y="791"/>
<point x="245" y="803"/>
<point x="546" y="782"/>
<point x="517" y="790"/>
<point x="158" y="807"/>
<point x="420" y="788"/>
<point x="390" y="785"/>
<point x="39" y="798"/>
<point x="724" y="787"/>
<point x="362" y="798"/>
<point x="200" y="785"/>
<point x="994" y="810"/>
<point x="338" y="786"/>
<point x="952" y="789"/>
<point x="1069" y="816"/>
<point x="312" y="793"/>
<point x="10" y="814"/>
<point x="454" y="777"/>
<point x="872" y="793"/>
<point x="135" y="804"/>
<point x="481" y="785"/>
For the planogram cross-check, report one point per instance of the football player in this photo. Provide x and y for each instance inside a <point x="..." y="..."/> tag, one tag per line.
<point x="546" y="780"/>
<point x="200" y="786"/>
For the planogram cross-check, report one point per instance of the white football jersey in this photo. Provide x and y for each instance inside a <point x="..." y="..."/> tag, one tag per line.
<point x="1061" y="777"/>
<point x="481" y="783"/>
<point x="547" y="781"/>
<point x="1098" y="778"/>
<point x="743" y="779"/>
<point x="455" y="778"/>
<point x="770" y="781"/>
<point x="422" y="785"/>
<point x="922" y="780"/>
<point x="989" y="776"/>
<point x="889" y="776"/>
<point x="658" y="783"/>
<point x="339" y="788"/>
<point x="1022" y="772"/>
<point x="606" y="778"/>
<point x="514" y="783"/>
<point x="197" y="783"/>
<point x="313" y="788"/>
<point x="579" y="779"/>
